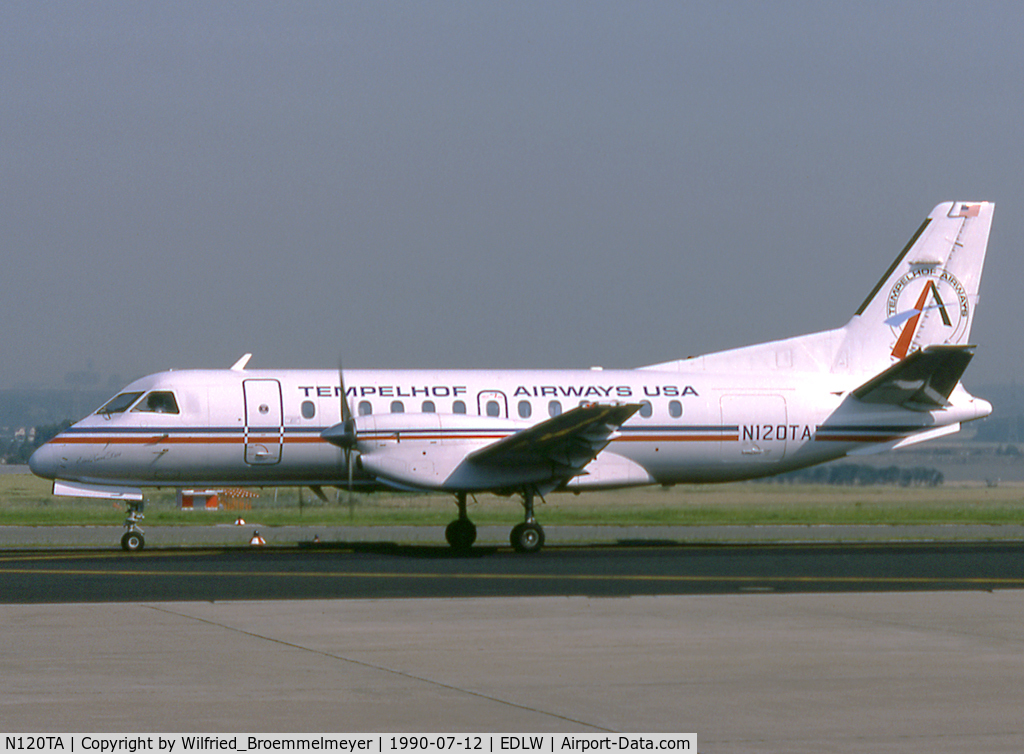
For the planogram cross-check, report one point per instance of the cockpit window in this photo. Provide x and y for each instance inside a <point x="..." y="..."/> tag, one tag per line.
<point x="158" y="402"/>
<point x="119" y="403"/>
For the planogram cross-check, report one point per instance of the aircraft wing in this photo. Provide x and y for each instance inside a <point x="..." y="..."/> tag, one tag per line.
<point x="484" y="453"/>
<point x="922" y="382"/>
<point x="571" y="440"/>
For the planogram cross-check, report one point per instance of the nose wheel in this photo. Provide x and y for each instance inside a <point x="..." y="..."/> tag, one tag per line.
<point x="133" y="539"/>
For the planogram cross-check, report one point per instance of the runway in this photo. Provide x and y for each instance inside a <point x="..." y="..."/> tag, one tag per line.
<point x="381" y="570"/>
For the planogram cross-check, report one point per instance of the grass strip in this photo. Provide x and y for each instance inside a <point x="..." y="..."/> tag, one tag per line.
<point x="26" y="501"/>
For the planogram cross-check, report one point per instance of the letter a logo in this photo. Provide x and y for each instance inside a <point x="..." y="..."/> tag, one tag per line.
<point x="907" y="335"/>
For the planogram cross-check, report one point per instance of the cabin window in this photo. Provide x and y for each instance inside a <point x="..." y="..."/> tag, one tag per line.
<point x="158" y="402"/>
<point x="365" y="408"/>
<point x="308" y="409"/>
<point x="493" y="409"/>
<point x="459" y="407"/>
<point x="428" y="407"/>
<point x="397" y="407"/>
<point x="646" y="409"/>
<point x="119" y="403"/>
<point x="675" y="409"/>
<point x="554" y="408"/>
<point x="525" y="409"/>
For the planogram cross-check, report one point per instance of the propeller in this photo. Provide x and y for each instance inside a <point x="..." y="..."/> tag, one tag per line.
<point x="349" y="425"/>
<point x="344" y="434"/>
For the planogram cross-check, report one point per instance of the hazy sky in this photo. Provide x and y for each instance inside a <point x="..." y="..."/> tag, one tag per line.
<point x="533" y="184"/>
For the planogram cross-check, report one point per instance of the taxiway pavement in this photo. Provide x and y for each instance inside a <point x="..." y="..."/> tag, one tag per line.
<point x="240" y="535"/>
<point x="838" y="671"/>
<point x="935" y="672"/>
<point x="378" y="570"/>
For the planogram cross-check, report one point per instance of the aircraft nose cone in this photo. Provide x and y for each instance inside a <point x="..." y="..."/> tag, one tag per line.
<point x="44" y="462"/>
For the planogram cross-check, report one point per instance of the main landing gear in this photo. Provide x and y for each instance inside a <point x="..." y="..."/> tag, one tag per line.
<point x="461" y="533"/>
<point x="526" y="537"/>
<point x="133" y="538"/>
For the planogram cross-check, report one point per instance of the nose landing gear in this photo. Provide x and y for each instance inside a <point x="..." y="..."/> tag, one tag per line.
<point x="133" y="539"/>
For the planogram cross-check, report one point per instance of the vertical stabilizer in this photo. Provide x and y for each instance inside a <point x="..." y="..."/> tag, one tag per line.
<point x="926" y="298"/>
<point x="928" y="295"/>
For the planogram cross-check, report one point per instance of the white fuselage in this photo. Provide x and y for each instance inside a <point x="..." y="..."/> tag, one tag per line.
<point x="263" y="427"/>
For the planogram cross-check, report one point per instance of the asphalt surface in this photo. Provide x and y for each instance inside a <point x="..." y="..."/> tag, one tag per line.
<point x="798" y="647"/>
<point x="34" y="537"/>
<point x="383" y="570"/>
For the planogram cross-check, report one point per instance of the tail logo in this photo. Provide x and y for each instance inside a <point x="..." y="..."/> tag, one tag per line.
<point x="941" y="293"/>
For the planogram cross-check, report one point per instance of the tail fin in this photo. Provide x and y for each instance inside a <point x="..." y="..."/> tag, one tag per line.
<point x="928" y="295"/>
<point x="926" y="298"/>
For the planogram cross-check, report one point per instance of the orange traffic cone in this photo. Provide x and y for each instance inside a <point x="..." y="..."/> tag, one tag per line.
<point x="239" y="522"/>
<point x="257" y="540"/>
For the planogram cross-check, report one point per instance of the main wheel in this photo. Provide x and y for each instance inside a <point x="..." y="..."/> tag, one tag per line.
<point x="461" y="534"/>
<point x="527" y="537"/>
<point x="132" y="541"/>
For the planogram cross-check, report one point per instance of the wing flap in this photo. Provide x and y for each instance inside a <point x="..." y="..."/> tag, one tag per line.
<point x="921" y="382"/>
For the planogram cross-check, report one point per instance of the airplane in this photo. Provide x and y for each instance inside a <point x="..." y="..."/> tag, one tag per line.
<point x="889" y="378"/>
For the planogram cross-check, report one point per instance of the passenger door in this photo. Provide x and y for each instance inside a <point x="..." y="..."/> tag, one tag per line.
<point x="264" y="421"/>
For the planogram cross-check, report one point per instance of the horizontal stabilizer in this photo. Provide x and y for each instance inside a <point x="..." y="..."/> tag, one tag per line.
<point x="922" y="382"/>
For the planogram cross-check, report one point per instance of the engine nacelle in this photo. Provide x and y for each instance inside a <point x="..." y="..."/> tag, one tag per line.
<point x="430" y="451"/>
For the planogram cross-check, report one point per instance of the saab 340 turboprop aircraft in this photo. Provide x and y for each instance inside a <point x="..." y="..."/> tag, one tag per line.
<point x="888" y="379"/>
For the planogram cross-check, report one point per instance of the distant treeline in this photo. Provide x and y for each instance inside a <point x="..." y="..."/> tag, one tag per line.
<point x="18" y="451"/>
<point x="1001" y="428"/>
<point x="858" y="474"/>
<point x="22" y="408"/>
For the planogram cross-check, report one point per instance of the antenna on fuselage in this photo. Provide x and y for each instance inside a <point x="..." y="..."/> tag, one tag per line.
<point x="239" y="366"/>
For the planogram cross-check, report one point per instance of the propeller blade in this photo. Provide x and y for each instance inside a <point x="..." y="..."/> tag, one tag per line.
<point x="351" y="496"/>
<point x="346" y="412"/>
<point x="349" y="423"/>
<point x="342" y="434"/>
